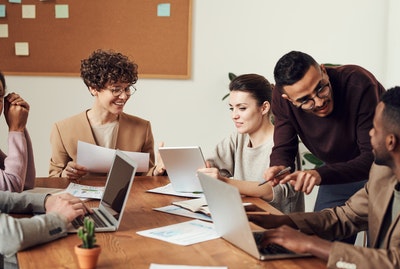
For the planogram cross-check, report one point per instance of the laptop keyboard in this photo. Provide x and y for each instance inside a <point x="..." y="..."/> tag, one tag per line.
<point x="273" y="249"/>
<point x="270" y="249"/>
<point x="78" y="222"/>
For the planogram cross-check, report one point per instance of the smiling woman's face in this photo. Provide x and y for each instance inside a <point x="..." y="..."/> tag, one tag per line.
<point x="246" y="114"/>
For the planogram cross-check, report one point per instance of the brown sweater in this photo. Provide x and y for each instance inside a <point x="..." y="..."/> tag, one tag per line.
<point x="341" y="139"/>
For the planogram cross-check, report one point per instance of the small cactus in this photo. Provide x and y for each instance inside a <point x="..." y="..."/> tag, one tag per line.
<point x="87" y="233"/>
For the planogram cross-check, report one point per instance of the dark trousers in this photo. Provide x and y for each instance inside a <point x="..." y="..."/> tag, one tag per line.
<point x="336" y="195"/>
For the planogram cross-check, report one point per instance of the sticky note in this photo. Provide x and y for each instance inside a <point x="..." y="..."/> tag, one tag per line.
<point x="28" y="11"/>
<point x="2" y="11"/>
<point x="22" y="48"/>
<point x="15" y="1"/>
<point x="164" y="10"/>
<point x="62" y="11"/>
<point x="3" y="30"/>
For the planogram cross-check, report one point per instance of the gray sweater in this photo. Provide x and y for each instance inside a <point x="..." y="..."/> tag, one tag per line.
<point x="236" y="160"/>
<point x="20" y="233"/>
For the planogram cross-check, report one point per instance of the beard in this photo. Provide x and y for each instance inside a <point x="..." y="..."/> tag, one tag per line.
<point x="381" y="159"/>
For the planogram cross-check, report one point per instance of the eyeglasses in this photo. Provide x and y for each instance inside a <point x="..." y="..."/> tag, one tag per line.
<point x="322" y="93"/>
<point x="117" y="91"/>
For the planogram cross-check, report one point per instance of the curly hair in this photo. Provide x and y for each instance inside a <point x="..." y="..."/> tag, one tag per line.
<point x="104" y="67"/>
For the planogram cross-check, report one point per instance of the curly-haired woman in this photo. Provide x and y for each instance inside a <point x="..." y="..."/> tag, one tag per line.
<point x="110" y="77"/>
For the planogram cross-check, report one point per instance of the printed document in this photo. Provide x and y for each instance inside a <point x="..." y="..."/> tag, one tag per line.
<point x="184" y="233"/>
<point x="99" y="159"/>
<point x="169" y="190"/>
<point x="84" y="191"/>
<point x="177" y="210"/>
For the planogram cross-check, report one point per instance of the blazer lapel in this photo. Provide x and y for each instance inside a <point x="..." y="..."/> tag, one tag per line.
<point x="383" y="195"/>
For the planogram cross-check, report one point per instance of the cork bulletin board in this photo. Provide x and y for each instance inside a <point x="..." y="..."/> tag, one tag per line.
<point x="50" y="38"/>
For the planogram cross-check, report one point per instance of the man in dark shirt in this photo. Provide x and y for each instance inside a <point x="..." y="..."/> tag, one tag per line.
<point x="331" y="110"/>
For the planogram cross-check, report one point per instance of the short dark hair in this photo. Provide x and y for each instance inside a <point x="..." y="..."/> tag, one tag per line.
<point x="391" y="111"/>
<point x="292" y="67"/>
<point x="257" y="85"/>
<point x="104" y="67"/>
<point x="3" y="80"/>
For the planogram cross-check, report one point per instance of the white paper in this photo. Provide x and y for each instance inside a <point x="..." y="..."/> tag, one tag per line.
<point x="85" y="191"/>
<point x="167" y="266"/>
<point x="169" y="190"/>
<point x="99" y="159"/>
<point x="184" y="233"/>
<point x="177" y="210"/>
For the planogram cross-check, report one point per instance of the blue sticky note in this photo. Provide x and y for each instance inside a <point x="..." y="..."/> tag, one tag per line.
<point x="15" y="1"/>
<point x="2" y="11"/>
<point x="164" y="10"/>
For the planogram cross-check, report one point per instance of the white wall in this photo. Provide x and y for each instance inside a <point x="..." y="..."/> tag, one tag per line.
<point x="228" y="36"/>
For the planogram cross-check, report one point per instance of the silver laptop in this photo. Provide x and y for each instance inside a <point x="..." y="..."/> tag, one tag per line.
<point x="182" y="164"/>
<point x="231" y="222"/>
<point x="108" y="215"/>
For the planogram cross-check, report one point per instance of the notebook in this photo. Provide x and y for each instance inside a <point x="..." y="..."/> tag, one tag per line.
<point x="182" y="164"/>
<point x="108" y="215"/>
<point x="231" y="223"/>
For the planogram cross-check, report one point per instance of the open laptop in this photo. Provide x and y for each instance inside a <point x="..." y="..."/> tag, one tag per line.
<point x="231" y="222"/>
<point x="108" y="215"/>
<point x="182" y="164"/>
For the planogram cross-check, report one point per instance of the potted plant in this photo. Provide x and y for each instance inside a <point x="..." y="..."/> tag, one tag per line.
<point x="87" y="252"/>
<point x="231" y="77"/>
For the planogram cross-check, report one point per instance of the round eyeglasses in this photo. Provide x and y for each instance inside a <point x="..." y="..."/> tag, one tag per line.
<point x="117" y="91"/>
<point x="322" y="93"/>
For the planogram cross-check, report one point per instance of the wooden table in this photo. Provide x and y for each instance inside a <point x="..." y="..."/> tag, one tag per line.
<point x="126" y="249"/>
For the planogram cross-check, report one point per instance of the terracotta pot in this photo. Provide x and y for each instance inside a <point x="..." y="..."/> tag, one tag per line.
<point x="87" y="257"/>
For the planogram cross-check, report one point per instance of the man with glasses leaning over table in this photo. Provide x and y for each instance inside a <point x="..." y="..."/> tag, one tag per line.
<point x="330" y="108"/>
<point x="110" y="77"/>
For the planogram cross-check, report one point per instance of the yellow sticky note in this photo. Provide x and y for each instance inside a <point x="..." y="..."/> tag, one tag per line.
<point x="3" y="30"/>
<point x="22" y="48"/>
<point x="28" y="11"/>
<point x="62" y="11"/>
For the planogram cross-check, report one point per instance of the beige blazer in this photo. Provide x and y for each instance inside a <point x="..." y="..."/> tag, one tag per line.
<point x="134" y="134"/>
<point x="365" y="210"/>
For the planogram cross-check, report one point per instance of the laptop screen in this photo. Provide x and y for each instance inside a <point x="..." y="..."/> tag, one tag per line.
<point x="182" y="164"/>
<point x="117" y="186"/>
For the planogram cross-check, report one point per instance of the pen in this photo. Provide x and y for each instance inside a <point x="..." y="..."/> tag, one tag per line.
<point x="283" y="171"/>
